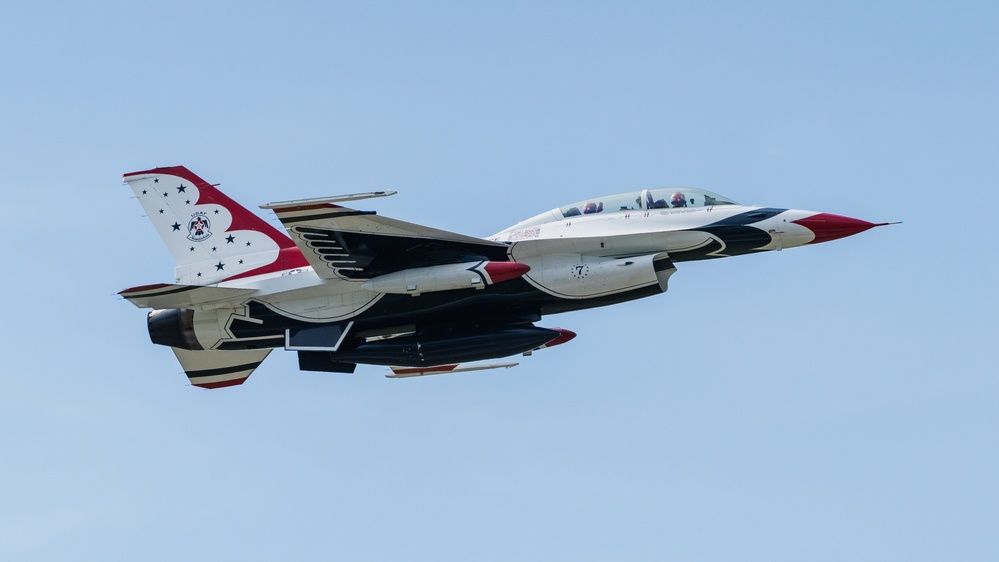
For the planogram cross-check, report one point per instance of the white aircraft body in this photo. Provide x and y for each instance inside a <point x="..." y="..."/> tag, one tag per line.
<point x="345" y="287"/>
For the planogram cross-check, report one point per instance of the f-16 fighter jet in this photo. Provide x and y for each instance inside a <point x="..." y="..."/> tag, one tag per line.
<point x="344" y="287"/>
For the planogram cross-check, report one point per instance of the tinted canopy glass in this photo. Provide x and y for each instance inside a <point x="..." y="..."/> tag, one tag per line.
<point x="663" y="198"/>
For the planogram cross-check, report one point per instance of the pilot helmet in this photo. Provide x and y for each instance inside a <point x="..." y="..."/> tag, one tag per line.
<point x="678" y="200"/>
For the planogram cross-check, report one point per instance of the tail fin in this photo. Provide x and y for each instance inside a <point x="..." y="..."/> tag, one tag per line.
<point x="212" y="238"/>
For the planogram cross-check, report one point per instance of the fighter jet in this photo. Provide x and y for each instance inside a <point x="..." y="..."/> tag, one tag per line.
<point x="343" y="287"/>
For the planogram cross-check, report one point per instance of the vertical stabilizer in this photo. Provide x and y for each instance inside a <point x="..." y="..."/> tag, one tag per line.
<point x="212" y="238"/>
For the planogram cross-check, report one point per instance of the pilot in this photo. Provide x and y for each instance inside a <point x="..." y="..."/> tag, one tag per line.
<point x="678" y="199"/>
<point x="592" y="207"/>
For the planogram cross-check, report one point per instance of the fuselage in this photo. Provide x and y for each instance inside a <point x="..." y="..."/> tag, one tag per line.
<point x="576" y="261"/>
<point x="701" y="225"/>
<point x="345" y="286"/>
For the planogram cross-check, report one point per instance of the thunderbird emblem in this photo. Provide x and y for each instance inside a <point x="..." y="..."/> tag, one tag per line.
<point x="199" y="228"/>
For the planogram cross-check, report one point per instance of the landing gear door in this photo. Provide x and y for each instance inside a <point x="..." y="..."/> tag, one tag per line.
<point x="323" y="337"/>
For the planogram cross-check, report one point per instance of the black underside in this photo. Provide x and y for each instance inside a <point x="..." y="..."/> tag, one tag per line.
<point x="732" y="237"/>
<point x="460" y="325"/>
<point x="323" y="361"/>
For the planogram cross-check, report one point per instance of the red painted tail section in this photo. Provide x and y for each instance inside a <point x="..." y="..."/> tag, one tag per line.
<point x="212" y="237"/>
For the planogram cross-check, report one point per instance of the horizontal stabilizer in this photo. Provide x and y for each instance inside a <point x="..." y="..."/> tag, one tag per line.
<point x="165" y="295"/>
<point x="406" y="372"/>
<point x="217" y="369"/>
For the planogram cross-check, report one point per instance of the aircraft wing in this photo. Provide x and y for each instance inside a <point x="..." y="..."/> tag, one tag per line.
<point x="357" y="245"/>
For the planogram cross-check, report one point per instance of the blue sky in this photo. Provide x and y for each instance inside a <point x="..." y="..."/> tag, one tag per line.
<point x="825" y="403"/>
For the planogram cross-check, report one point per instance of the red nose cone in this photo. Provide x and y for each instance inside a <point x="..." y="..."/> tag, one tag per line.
<point x="831" y="227"/>
<point x="564" y="336"/>
<point x="505" y="270"/>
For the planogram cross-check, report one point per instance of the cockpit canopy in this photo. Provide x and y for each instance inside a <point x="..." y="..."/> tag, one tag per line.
<point x="664" y="198"/>
<point x="635" y="201"/>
